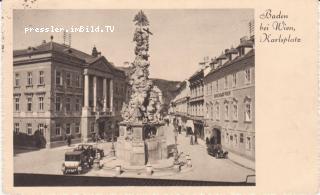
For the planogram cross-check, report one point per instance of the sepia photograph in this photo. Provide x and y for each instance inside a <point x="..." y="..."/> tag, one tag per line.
<point x="134" y="97"/>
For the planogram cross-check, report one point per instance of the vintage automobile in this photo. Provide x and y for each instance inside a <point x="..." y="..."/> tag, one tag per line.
<point x="216" y="151"/>
<point x="91" y="150"/>
<point x="76" y="162"/>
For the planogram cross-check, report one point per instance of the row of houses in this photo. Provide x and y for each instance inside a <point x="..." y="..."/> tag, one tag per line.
<point x="61" y="91"/>
<point x="217" y="101"/>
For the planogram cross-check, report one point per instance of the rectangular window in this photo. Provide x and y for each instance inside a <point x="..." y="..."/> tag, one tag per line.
<point x="248" y="143"/>
<point x="68" y="129"/>
<point x="16" y="127"/>
<point x="58" y="129"/>
<point x="227" y="138"/>
<point x="17" y="79"/>
<point x="241" y="137"/>
<point x="58" y="103"/>
<point x="58" y="78"/>
<point x="68" y="79"/>
<point x="226" y="82"/>
<point x="41" y="77"/>
<point x="77" y="128"/>
<point x="29" y="77"/>
<point x="247" y="112"/>
<point x="235" y="112"/>
<point x="77" y="104"/>
<point x="92" y="127"/>
<point x="234" y="80"/>
<point x="78" y="81"/>
<point x="217" y="85"/>
<point x="217" y="112"/>
<point x="212" y="112"/>
<point x="236" y="139"/>
<point x="226" y="115"/>
<point x="41" y="128"/>
<point x="248" y="76"/>
<point x="29" y="129"/>
<point x="41" y="104"/>
<point x="68" y="104"/>
<point x="29" y="104"/>
<point x="17" y="104"/>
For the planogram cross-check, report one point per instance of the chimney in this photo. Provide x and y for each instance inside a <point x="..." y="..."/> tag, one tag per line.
<point x="245" y="45"/>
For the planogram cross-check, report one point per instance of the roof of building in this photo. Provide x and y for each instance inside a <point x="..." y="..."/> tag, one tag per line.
<point x="52" y="46"/>
<point x="196" y="74"/>
<point x="231" y="51"/>
<point x="61" y="48"/>
<point x="222" y="56"/>
<point x="246" y="43"/>
<point x="237" y="59"/>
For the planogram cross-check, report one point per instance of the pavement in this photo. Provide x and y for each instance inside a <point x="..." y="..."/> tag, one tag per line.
<point x="204" y="167"/>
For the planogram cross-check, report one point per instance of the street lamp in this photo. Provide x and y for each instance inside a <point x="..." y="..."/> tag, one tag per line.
<point x="112" y="146"/>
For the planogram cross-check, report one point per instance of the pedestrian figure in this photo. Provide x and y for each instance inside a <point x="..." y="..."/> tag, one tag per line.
<point x="69" y="140"/>
<point x="195" y="139"/>
<point x="191" y="140"/>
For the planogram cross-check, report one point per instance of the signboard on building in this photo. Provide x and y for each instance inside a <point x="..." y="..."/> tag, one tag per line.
<point x="222" y="94"/>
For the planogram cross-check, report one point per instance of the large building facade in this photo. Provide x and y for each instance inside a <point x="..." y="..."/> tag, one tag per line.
<point x="196" y="103"/>
<point x="180" y="104"/>
<point x="230" y="100"/>
<point x="221" y="106"/>
<point x="61" y="92"/>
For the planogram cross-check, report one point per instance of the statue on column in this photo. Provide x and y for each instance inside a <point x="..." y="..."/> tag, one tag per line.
<point x="141" y="106"/>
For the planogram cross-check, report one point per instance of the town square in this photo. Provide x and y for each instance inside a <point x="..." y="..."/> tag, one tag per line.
<point x="138" y="101"/>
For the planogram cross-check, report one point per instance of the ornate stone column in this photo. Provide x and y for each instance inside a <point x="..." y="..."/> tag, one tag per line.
<point x="94" y="93"/>
<point x="86" y="91"/>
<point x="104" y="90"/>
<point x="111" y="95"/>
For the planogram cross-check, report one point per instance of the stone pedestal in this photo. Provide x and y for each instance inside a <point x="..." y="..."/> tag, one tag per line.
<point x="133" y="147"/>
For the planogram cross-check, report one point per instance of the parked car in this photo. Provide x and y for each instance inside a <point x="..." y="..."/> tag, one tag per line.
<point x="76" y="162"/>
<point x="91" y="150"/>
<point x="216" y="151"/>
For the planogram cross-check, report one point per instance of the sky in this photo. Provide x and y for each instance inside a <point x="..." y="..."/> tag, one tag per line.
<point x="181" y="38"/>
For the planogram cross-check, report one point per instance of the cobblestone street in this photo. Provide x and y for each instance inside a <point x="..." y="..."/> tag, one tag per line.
<point x="204" y="167"/>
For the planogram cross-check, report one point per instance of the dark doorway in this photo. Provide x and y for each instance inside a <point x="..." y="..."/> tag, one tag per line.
<point x="101" y="129"/>
<point x="217" y="135"/>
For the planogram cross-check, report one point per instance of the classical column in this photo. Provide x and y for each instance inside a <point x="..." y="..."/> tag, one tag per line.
<point x="104" y="89"/>
<point x="86" y="91"/>
<point x="94" y="93"/>
<point x="111" y="95"/>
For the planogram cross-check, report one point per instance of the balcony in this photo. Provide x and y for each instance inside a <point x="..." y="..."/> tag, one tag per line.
<point x="100" y="112"/>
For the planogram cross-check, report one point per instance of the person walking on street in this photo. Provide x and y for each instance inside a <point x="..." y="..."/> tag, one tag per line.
<point x="69" y="140"/>
<point x="191" y="139"/>
<point x="195" y="139"/>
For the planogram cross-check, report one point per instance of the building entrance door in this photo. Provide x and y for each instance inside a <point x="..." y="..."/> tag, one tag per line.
<point x="217" y="135"/>
<point x="101" y="129"/>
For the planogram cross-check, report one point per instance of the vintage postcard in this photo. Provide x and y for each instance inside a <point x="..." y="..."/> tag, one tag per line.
<point x="134" y="96"/>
